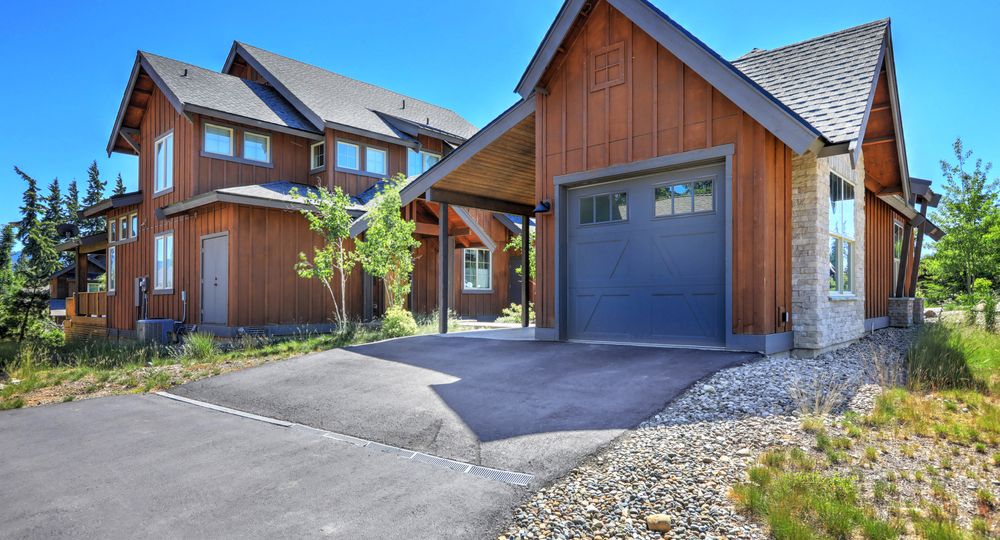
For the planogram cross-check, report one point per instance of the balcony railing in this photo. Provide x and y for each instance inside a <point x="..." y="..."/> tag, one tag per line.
<point x="88" y="304"/>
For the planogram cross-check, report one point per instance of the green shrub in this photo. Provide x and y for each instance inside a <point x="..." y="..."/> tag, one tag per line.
<point x="512" y="314"/>
<point x="199" y="346"/>
<point x="398" y="322"/>
<point x="990" y="313"/>
<point x="937" y="360"/>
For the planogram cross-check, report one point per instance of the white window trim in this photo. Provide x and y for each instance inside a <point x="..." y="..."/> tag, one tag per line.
<point x="168" y="186"/>
<point x="422" y="154"/>
<point x="168" y="287"/>
<point x="336" y="157"/>
<point x="490" y="258"/>
<point x="841" y="292"/>
<point x="232" y="139"/>
<point x="312" y="156"/>
<point x="267" y="146"/>
<point x="133" y="224"/>
<point x="385" y="160"/>
<point x="111" y="270"/>
<point x="112" y="231"/>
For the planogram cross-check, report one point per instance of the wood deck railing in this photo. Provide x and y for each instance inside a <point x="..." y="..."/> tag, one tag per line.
<point x="88" y="304"/>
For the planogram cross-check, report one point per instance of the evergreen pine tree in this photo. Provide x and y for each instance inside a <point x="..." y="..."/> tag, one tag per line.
<point x="72" y="203"/>
<point x="94" y="195"/>
<point x="37" y="235"/>
<point x="54" y="212"/>
<point x="119" y="186"/>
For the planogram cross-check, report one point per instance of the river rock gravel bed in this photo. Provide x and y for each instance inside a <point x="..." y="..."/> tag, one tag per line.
<point x="683" y="461"/>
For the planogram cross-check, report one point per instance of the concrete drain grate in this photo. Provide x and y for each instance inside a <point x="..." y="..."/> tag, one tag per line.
<point x="507" y="477"/>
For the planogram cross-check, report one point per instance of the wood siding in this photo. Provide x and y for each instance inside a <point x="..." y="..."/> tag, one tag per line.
<point x="879" y="218"/>
<point x="662" y="108"/>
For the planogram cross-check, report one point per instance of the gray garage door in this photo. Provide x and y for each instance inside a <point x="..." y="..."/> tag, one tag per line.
<point x="646" y="260"/>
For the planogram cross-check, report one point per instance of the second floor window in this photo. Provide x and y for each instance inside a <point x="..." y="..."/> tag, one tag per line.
<point x="163" y="153"/>
<point x="348" y="156"/>
<point x="163" y="262"/>
<point x="256" y="147"/>
<point x="317" y="155"/>
<point x="375" y="160"/>
<point x="841" y="235"/>
<point x="218" y="140"/>
<point x="417" y="163"/>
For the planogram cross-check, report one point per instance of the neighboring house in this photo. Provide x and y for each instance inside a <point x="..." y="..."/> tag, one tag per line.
<point x="212" y="234"/>
<point x="762" y="204"/>
<point x="64" y="283"/>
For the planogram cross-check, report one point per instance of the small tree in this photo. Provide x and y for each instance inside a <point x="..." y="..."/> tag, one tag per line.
<point x="387" y="249"/>
<point x="331" y="263"/>
<point x="514" y="246"/>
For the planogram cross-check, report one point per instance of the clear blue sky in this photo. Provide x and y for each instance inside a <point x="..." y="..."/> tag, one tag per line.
<point x="65" y="64"/>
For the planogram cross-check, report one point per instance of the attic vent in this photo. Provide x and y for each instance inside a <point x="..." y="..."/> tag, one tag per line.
<point x="185" y="73"/>
<point x="608" y="67"/>
<point x="428" y="122"/>
<point x="404" y="104"/>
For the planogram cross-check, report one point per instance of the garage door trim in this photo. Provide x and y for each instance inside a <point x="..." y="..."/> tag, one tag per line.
<point x="562" y="185"/>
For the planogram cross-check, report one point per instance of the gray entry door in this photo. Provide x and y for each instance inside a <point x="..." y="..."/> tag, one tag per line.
<point x="646" y="260"/>
<point x="215" y="279"/>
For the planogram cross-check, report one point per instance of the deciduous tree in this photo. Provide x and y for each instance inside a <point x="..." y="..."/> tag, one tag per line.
<point x="332" y="262"/>
<point x="386" y="250"/>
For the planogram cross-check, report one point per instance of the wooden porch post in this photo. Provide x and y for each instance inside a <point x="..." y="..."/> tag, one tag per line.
<point x="916" y="251"/>
<point x="443" y="269"/>
<point x="82" y="269"/>
<point x="903" y="257"/>
<point x="525" y="274"/>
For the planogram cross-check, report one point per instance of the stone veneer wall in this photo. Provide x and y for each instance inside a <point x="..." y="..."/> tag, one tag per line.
<point x="819" y="321"/>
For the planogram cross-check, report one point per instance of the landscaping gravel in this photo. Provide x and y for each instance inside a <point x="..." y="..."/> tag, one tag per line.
<point x="682" y="462"/>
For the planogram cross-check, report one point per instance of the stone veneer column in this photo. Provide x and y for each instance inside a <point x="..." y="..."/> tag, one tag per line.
<point x="819" y="321"/>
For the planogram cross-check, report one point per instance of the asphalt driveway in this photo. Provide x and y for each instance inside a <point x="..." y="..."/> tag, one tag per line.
<point x="525" y="406"/>
<point x="148" y="466"/>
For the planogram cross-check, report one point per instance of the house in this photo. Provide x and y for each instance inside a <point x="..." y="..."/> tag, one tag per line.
<point x="63" y="284"/>
<point x="759" y="204"/>
<point x="210" y="237"/>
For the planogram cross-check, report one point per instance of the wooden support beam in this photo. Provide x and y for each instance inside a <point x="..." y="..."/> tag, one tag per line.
<point x="443" y="270"/>
<point x="478" y="201"/>
<point x="82" y="269"/>
<point x="426" y="229"/>
<point x="461" y="231"/>
<point x="891" y="190"/>
<point x="525" y="276"/>
<point x="882" y="107"/>
<point x="903" y="257"/>
<point x="916" y="253"/>
<point x="131" y="137"/>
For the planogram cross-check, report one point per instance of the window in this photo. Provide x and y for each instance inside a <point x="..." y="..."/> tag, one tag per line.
<point x="604" y="208"/>
<point x="348" y="155"/>
<point x="112" y="231"/>
<point x="317" y="155"/>
<point x="134" y="227"/>
<point x="478" y="270"/>
<point x="256" y="147"/>
<point x="607" y="67"/>
<point x="218" y="140"/>
<point x="841" y="235"/>
<point x="897" y="251"/>
<point x="686" y="198"/>
<point x="417" y="163"/>
<point x="123" y="228"/>
<point x="163" y="262"/>
<point x="163" y="151"/>
<point x="112" y="263"/>
<point x="375" y="159"/>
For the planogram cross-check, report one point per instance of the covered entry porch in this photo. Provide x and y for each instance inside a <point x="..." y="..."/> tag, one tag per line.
<point x="492" y="171"/>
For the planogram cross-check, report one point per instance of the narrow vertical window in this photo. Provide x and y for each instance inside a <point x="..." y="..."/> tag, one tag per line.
<point x="897" y="251"/>
<point x="112" y="265"/>
<point x="163" y="153"/>
<point x="134" y="227"/>
<point x="841" y="226"/>
<point x="163" y="262"/>
<point x="317" y="155"/>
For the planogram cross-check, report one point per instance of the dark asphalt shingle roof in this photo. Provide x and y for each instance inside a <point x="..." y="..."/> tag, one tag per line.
<point x="342" y="100"/>
<point x="226" y="93"/>
<point x="279" y="191"/>
<point x="826" y="80"/>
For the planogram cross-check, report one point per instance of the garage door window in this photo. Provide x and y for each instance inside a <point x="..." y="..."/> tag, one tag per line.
<point x="605" y="208"/>
<point x="686" y="198"/>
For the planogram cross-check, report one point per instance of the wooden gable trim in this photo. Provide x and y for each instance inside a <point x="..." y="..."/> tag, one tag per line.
<point x="775" y="116"/>
<point x="141" y="65"/>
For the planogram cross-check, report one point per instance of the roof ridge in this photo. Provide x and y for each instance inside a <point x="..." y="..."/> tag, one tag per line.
<point x="366" y="83"/>
<point x="196" y="66"/>
<point x="756" y="52"/>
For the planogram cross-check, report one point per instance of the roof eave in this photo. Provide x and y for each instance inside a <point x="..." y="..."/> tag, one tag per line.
<point x="115" y="201"/>
<point x="897" y="117"/>
<point x="120" y="117"/>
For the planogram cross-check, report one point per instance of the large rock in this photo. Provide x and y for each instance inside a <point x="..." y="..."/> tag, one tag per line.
<point x="658" y="522"/>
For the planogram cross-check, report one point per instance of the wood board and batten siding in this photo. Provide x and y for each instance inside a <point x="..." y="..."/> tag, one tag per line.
<point x="662" y="107"/>
<point x="879" y="273"/>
